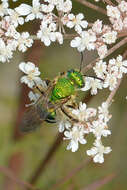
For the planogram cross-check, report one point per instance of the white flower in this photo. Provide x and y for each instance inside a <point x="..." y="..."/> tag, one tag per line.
<point x="31" y="12"/>
<point x="5" y="51"/>
<point x="118" y="23"/>
<point x="103" y="112"/>
<point x="3" y="8"/>
<point x="64" y="6"/>
<point x="118" y="66"/>
<point x="83" y="113"/>
<point x="63" y="125"/>
<point x="110" y="81"/>
<point x="77" y="22"/>
<point x="24" y="41"/>
<point x="123" y="6"/>
<point x="47" y="8"/>
<point x="110" y="37"/>
<point x="94" y="84"/>
<point x="32" y="74"/>
<point x="11" y="32"/>
<point x="75" y="135"/>
<point x="48" y="18"/>
<point x="15" y="18"/>
<point x="113" y="12"/>
<point x="59" y="37"/>
<point x="100" y="69"/>
<point x="85" y="41"/>
<point x="97" y="151"/>
<point x="46" y="35"/>
<point x="99" y="129"/>
<point x="97" y="26"/>
<point x="102" y="50"/>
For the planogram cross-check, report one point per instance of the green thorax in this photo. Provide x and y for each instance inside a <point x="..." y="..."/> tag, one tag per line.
<point x="66" y="86"/>
<point x="63" y="88"/>
<point x="76" y="77"/>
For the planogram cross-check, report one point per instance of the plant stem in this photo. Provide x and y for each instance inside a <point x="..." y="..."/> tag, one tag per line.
<point x="90" y="5"/>
<point x="108" y="2"/>
<point x="39" y="171"/>
<point x="111" y="50"/>
<point x="70" y="174"/>
<point x="118" y="1"/>
<point x="122" y="34"/>
<point x="112" y="94"/>
<point x="99" y="183"/>
<point x="8" y="173"/>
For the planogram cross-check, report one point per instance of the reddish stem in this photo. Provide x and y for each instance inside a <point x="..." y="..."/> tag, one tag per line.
<point x="99" y="183"/>
<point x="39" y="171"/>
<point x="71" y="174"/>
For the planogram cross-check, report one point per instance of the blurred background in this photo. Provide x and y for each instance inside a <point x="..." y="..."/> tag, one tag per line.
<point x="25" y="154"/>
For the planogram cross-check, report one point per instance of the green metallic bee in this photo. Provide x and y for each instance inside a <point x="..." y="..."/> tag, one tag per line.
<point x="60" y="94"/>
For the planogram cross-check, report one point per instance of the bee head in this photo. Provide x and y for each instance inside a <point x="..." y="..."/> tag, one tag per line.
<point x="76" y="77"/>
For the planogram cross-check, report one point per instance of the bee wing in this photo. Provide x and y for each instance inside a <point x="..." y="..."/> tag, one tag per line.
<point x="33" y="118"/>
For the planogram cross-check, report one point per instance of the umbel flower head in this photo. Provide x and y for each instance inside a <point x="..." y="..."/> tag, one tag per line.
<point x="32" y="74"/>
<point x="56" y="23"/>
<point x="97" y="152"/>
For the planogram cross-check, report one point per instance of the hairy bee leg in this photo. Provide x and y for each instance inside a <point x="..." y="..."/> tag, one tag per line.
<point x="68" y="115"/>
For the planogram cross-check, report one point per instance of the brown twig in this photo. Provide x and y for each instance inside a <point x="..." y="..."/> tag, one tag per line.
<point x="15" y="165"/>
<point x="40" y="169"/>
<point x="90" y="5"/>
<point x="122" y="34"/>
<point x="118" y="1"/>
<point x="112" y="94"/>
<point x="70" y="174"/>
<point x="111" y="50"/>
<point x="109" y="2"/>
<point x="8" y="173"/>
<point x="99" y="183"/>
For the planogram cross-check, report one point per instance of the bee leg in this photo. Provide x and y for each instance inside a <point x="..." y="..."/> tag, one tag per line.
<point x="68" y="114"/>
<point x="50" y="121"/>
<point x="47" y="81"/>
<point x="62" y="73"/>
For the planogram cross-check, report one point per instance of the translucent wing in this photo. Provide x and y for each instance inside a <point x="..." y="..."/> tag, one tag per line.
<point x="33" y="118"/>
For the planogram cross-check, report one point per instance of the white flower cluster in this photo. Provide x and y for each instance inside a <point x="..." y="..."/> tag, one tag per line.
<point x="118" y="15"/>
<point x="109" y="73"/>
<point x="55" y="16"/>
<point x="98" y="37"/>
<point x="89" y="120"/>
<point x="32" y="80"/>
<point x="10" y="39"/>
<point x="52" y="26"/>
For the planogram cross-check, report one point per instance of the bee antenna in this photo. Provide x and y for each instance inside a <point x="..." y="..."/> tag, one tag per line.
<point x="81" y="63"/>
<point x="95" y="77"/>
